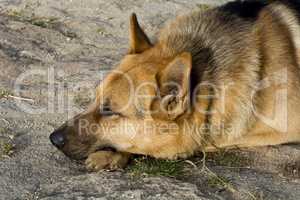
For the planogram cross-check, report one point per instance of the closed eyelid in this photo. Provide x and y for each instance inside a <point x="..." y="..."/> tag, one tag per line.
<point x="106" y="109"/>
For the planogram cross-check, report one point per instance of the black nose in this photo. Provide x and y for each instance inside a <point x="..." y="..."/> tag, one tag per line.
<point x="57" y="138"/>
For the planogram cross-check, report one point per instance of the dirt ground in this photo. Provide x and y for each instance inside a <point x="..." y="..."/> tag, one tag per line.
<point x="67" y="46"/>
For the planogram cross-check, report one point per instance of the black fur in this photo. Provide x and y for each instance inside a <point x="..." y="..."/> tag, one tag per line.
<point x="294" y="5"/>
<point x="248" y="9"/>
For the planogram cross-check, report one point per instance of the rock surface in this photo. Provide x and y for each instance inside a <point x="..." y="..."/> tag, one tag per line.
<point x="69" y="44"/>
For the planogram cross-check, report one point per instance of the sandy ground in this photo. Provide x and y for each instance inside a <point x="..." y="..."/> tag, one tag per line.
<point x="68" y="45"/>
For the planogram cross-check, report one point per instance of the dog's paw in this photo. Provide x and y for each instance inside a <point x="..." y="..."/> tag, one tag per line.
<point x="106" y="160"/>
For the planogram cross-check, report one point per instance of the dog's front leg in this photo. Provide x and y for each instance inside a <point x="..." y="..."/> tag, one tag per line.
<point x="106" y="160"/>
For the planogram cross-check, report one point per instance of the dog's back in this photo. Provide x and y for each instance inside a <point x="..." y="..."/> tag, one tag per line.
<point x="246" y="43"/>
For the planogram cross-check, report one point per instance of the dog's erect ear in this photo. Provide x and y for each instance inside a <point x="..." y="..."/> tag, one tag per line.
<point x="139" y="41"/>
<point x="174" y="84"/>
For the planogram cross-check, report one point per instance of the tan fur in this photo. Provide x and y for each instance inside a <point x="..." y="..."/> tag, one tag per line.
<point x="230" y="59"/>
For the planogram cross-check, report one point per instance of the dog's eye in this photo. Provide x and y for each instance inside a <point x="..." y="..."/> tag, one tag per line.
<point x="107" y="112"/>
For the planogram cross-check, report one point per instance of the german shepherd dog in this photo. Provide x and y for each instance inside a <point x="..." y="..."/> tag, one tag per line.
<point x="222" y="77"/>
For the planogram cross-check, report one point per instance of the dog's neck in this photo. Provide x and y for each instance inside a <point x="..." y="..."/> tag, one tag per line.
<point x="201" y="38"/>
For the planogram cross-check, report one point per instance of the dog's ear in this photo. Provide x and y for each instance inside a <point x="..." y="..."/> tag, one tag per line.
<point x="139" y="41"/>
<point x="174" y="83"/>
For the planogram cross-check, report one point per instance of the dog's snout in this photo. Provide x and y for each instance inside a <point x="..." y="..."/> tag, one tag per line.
<point x="57" y="138"/>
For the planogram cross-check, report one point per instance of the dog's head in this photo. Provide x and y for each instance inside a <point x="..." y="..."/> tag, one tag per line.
<point x="137" y="105"/>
